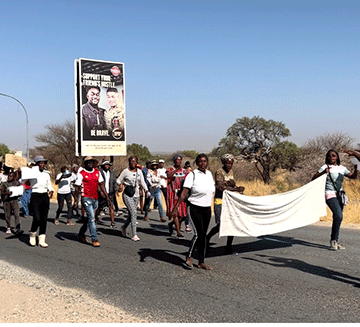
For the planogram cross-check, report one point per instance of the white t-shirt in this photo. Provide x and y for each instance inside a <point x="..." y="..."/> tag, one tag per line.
<point x="64" y="185"/>
<point x="337" y="174"/>
<point x="202" y="187"/>
<point x="42" y="183"/>
<point x="162" y="172"/>
<point x="107" y="180"/>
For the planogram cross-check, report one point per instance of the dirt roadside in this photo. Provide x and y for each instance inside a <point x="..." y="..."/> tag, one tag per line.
<point x="29" y="298"/>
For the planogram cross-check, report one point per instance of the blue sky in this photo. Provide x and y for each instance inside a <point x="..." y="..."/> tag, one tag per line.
<point x="191" y="67"/>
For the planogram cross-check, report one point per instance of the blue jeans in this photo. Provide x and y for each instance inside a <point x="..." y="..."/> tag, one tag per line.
<point x="25" y="200"/>
<point x="155" y="192"/>
<point x="90" y="206"/>
<point x="336" y="209"/>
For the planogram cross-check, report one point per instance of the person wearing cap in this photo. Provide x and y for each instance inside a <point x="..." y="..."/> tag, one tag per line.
<point x="162" y="173"/>
<point x="154" y="180"/>
<point x="63" y="181"/>
<point x="224" y="180"/>
<point x="42" y="192"/>
<point x="111" y="187"/>
<point x="90" y="179"/>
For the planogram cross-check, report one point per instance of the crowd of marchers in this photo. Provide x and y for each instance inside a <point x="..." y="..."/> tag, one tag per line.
<point x="180" y="193"/>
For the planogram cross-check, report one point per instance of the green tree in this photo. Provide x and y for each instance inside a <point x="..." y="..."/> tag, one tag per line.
<point x="4" y="150"/>
<point x="253" y="139"/>
<point x="286" y="155"/>
<point x="139" y="150"/>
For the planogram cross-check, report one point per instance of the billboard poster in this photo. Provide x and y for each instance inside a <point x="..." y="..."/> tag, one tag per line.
<point x="100" y="108"/>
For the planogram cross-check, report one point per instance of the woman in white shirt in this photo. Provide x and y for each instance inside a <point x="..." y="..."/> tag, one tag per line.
<point x="335" y="176"/>
<point x="200" y="184"/>
<point x="42" y="192"/>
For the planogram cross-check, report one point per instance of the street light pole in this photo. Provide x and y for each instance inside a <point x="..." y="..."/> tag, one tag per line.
<point x="27" y="124"/>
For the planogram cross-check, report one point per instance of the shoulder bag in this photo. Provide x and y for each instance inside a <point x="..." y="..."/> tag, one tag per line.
<point x="340" y="194"/>
<point x="130" y="189"/>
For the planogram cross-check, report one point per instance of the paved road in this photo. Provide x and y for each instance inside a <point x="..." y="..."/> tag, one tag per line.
<point x="288" y="277"/>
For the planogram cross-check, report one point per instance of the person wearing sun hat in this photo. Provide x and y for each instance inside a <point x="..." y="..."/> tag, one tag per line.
<point x="154" y="180"/>
<point x="90" y="179"/>
<point x="42" y="192"/>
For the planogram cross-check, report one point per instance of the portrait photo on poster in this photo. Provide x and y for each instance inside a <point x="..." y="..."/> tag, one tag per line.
<point x="102" y="101"/>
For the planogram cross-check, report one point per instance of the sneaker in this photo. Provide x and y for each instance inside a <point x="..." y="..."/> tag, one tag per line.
<point x="340" y="246"/>
<point x="112" y="225"/>
<point x="119" y="213"/>
<point x="102" y="213"/>
<point x="187" y="229"/>
<point x="333" y="245"/>
<point x="135" y="238"/>
<point x="96" y="243"/>
<point x="8" y="230"/>
<point x="56" y="222"/>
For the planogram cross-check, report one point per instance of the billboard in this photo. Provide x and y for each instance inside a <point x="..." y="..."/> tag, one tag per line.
<point x="100" y="108"/>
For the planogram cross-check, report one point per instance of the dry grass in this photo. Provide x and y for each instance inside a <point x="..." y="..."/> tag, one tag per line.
<point x="281" y="182"/>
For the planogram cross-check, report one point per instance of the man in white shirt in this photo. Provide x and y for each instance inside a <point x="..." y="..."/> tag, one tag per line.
<point x="162" y="173"/>
<point x="64" y="180"/>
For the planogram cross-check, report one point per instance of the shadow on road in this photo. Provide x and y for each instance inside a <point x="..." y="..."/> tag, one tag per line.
<point x="293" y="241"/>
<point x="161" y="255"/>
<point x="307" y="268"/>
<point x="259" y="245"/>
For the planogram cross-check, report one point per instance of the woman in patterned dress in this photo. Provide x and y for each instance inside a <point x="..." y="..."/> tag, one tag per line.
<point x="176" y="176"/>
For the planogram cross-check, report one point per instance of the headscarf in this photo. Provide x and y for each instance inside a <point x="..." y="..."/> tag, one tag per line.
<point x="226" y="157"/>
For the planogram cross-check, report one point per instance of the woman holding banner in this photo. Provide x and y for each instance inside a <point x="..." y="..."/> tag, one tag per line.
<point x="335" y="176"/>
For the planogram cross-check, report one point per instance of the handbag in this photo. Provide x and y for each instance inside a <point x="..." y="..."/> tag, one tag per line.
<point x="129" y="190"/>
<point x="340" y="194"/>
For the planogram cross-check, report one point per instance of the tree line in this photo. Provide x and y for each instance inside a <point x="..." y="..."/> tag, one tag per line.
<point x="255" y="140"/>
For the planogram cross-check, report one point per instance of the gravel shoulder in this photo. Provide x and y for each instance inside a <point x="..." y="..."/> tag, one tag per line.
<point x="30" y="298"/>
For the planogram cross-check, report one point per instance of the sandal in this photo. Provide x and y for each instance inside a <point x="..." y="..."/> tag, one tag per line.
<point x="188" y="263"/>
<point x="204" y="266"/>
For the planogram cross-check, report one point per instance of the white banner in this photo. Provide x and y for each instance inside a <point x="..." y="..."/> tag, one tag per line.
<point x="243" y="215"/>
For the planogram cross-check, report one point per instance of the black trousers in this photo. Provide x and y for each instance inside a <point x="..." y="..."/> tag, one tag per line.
<point x="40" y="204"/>
<point x="200" y="218"/>
<point x="61" y="198"/>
